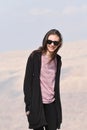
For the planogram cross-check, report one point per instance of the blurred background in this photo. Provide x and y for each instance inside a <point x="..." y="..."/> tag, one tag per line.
<point x="23" y="25"/>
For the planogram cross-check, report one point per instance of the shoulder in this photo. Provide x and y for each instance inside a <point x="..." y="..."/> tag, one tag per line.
<point x="34" y="54"/>
<point x="58" y="57"/>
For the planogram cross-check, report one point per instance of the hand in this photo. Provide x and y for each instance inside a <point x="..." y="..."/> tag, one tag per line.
<point x="27" y="113"/>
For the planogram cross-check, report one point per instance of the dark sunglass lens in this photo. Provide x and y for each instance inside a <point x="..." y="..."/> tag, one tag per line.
<point x="56" y="43"/>
<point x="49" y="41"/>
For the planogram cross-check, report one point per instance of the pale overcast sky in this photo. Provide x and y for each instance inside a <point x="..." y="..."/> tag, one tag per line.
<point x="23" y="23"/>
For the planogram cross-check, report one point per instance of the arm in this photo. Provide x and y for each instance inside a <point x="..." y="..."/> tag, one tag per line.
<point x="27" y="84"/>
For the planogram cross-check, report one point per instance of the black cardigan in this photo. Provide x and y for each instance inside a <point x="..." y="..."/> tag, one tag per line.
<point x="32" y="92"/>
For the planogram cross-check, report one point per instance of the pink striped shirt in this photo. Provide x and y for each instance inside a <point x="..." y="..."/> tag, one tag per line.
<point x="47" y="79"/>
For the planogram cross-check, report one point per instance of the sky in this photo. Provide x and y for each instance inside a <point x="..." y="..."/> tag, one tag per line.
<point x="23" y="23"/>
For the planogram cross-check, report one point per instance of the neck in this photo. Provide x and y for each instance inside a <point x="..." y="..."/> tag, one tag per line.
<point x="48" y="54"/>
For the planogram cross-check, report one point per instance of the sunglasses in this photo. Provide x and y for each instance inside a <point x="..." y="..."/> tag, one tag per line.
<point x="54" y="42"/>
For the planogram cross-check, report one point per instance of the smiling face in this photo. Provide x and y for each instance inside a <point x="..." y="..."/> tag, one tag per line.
<point x="51" y="47"/>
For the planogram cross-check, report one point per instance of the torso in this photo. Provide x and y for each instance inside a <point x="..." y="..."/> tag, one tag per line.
<point x="47" y="78"/>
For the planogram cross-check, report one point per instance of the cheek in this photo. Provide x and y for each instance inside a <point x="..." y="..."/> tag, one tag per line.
<point x="47" y="46"/>
<point x="56" y="47"/>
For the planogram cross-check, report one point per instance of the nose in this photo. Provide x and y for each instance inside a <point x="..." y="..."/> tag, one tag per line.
<point x="52" y="44"/>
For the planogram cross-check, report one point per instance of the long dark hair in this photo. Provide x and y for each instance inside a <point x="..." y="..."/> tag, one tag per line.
<point x="43" y="48"/>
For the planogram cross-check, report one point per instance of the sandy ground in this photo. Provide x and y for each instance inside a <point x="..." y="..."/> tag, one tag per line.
<point x="73" y="88"/>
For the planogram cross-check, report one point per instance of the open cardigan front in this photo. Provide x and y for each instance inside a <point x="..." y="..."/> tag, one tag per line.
<point x="32" y="92"/>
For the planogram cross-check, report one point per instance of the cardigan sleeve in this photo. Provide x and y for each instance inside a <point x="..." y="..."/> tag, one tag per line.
<point x="27" y="87"/>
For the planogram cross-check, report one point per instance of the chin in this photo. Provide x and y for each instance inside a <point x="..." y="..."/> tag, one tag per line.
<point x="52" y="50"/>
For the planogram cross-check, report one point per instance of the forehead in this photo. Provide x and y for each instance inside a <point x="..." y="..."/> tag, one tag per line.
<point x="53" y="37"/>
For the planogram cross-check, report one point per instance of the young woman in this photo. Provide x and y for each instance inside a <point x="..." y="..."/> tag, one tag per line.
<point x="41" y="84"/>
